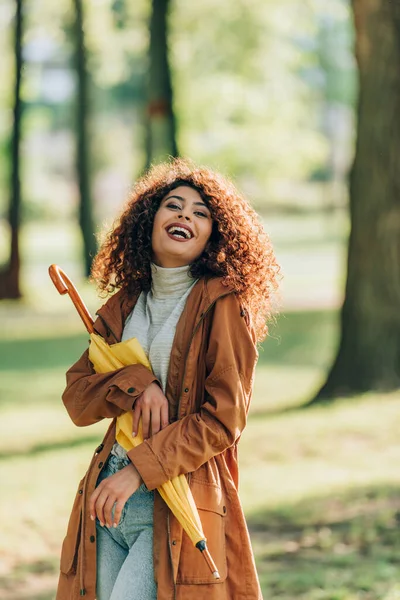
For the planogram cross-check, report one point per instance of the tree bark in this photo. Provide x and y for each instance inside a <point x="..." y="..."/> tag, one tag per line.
<point x="86" y="220"/>
<point x="9" y="277"/>
<point x="160" y="119"/>
<point x="369" y="351"/>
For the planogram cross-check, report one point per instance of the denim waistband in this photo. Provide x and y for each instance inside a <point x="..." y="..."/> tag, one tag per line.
<point x="116" y="463"/>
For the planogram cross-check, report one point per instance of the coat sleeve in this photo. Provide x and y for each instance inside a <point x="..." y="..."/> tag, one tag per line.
<point x="186" y="444"/>
<point x="90" y="397"/>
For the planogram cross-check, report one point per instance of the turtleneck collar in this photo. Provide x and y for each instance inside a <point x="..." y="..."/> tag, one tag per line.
<point x="170" y="282"/>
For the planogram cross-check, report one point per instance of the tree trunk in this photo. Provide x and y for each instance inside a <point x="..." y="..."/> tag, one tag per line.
<point x="9" y="277"/>
<point x="369" y="352"/>
<point x="86" y="220"/>
<point x="160" y="125"/>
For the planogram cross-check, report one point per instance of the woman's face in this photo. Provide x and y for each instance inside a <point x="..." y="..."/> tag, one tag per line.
<point x="181" y="229"/>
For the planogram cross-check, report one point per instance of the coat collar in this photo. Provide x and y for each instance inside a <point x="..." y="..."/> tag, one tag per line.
<point x="204" y="294"/>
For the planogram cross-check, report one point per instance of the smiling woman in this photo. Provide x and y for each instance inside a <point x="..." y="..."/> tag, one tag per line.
<point x="182" y="227"/>
<point x="193" y="268"/>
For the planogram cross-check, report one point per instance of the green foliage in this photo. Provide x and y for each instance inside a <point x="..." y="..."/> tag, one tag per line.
<point x="253" y="84"/>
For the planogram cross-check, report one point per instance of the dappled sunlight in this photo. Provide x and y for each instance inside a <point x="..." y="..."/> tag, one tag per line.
<point x="339" y="545"/>
<point x="306" y="453"/>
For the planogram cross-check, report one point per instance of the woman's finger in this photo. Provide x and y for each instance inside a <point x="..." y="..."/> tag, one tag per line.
<point x="145" y="421"/>
<point x="93" y="500"/>
<point x="107" y="510"/>
<point x="99" y="506"/>
<point x="155" y="421"/>
<point x="164" y="415"/>
<point x="117" y="512"/>
<point x="137" y="411"/>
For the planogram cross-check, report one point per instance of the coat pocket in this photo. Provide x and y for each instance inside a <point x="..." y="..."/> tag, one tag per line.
<point x="69" y="552"/>
<point x="212" y="510"/>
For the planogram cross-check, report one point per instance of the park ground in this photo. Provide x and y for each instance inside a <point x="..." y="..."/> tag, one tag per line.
<point x="320" y="487"/>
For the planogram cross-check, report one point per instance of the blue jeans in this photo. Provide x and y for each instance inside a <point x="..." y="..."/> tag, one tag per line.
<point x="125" y="554"/>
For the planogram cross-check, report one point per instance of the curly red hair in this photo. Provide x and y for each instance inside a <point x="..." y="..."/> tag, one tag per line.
<point x="239" y="250"/>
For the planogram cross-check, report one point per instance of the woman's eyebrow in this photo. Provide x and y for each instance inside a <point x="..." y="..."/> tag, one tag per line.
<point x="184" y="200"/>
<point x="174" y="196"/>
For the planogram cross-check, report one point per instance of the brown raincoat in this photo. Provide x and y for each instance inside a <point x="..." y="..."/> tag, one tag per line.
<point x="209" y="388"/>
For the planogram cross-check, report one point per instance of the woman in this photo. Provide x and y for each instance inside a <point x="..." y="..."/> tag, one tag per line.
<point x="194" y="272"/>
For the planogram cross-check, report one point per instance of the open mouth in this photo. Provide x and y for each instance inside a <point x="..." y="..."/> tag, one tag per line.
<point x="179" y="232"/>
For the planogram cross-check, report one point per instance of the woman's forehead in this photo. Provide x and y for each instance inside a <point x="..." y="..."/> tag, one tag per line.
<point x="185" y="193"/>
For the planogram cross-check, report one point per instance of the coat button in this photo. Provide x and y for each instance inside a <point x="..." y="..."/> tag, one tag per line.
<point x="80" y="492"/>
<point x="131" y="390"/>
<point x="224" y="510"/>
<point x="92" y="538"/>
<point x="186" y="390"/>
<point x="174" y="542"/>
<point x="100" y="465"/>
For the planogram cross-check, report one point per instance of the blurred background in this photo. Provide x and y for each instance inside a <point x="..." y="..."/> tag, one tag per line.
<point x="297" y="102"/>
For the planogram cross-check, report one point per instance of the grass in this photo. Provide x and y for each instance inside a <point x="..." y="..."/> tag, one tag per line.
<point x="343" y="546"/>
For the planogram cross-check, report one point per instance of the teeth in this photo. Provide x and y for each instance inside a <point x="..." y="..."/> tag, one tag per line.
<point x="185" y="232"/>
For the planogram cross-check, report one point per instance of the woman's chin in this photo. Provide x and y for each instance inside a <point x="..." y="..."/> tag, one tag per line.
<point x="172" y="261"/>
<point x="172" y="255"/>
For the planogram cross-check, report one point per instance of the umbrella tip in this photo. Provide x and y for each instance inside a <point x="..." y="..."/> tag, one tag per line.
<point x="216" y="575"/>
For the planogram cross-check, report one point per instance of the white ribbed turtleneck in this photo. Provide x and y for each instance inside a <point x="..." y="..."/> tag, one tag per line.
<point x="170" y="283"/>
<point x="154" y="318"/>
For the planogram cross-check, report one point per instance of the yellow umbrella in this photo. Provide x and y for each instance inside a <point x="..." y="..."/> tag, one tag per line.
<point x="175" y="493"/>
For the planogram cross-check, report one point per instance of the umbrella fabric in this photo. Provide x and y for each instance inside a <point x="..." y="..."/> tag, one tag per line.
<point x="106" y="358"/>
<point x="175" y="493"/>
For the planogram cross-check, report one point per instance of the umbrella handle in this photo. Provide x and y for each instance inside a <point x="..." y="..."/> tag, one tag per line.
<point x="65" y="286"/>
<point x="202" y="546"/>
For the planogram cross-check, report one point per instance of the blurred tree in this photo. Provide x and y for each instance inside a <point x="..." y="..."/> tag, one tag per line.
<point x="249" y="89"/>
<point x="86" y="220"/>
<point x="369" y="351"/>
<point x="9" y="277"/>
<point x="160" y="118"/>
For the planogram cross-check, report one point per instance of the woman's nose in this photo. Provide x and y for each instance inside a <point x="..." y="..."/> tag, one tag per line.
<point x="184" y="217"/>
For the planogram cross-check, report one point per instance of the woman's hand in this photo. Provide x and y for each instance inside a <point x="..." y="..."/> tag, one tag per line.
<point x="115" y="489"/>
<point x="152" y="406"/>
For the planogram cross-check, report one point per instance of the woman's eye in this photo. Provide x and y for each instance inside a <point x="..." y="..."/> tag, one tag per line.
<point x="200" y="214"/>
<point x="173" y="205"/>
